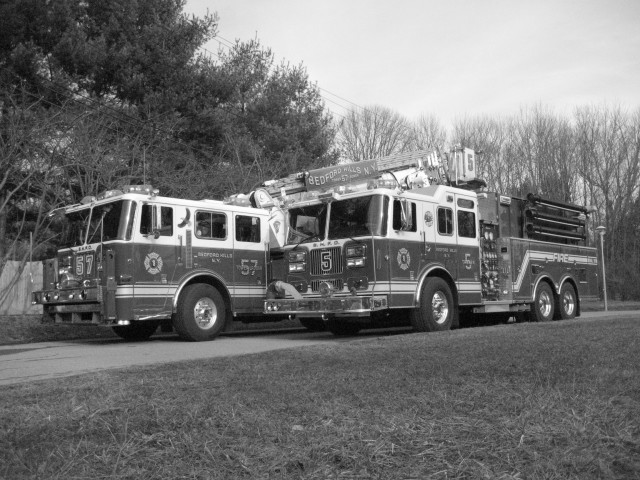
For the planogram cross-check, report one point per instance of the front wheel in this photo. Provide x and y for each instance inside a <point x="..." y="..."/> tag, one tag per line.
<point x="137" y="331"/>
<point x="201" y="314"/>
<point x="567" y="302"/>
<point x="544" y="305"/>
<point x="435" y="312"/>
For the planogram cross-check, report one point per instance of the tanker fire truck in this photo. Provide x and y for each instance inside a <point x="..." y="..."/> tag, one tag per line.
<point x="133" y="260"/>
<point x="418" y="240"/>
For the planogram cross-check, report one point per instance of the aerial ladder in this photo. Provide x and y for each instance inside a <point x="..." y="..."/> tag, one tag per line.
<point x="407" y="170"/>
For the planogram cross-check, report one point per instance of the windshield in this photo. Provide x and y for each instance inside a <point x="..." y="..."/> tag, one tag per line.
<point x="307" y="223"/>
<point x="110" y="221"/>
<point x="358" y="217"/>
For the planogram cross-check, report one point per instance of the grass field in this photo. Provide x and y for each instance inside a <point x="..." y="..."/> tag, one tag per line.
<point x="559" y="400"/>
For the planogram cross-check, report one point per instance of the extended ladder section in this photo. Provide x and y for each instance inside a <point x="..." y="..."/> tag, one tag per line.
<point x="426" y="161"/>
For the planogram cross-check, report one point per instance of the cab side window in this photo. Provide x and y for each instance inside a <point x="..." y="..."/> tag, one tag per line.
<point x="247" y="229"/>
<point x="211" y="225"/>
<point x="146" y="221"/>
<point x="397" y="216"/>
<point x="166" y="222"/>
<point x="466" y="224"/>
<point x="156" y="219"/>
<point x="445" y="221"/>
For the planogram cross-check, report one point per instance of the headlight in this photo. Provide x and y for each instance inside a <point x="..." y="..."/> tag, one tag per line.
<point x="63" y="270"/>
<point x="297" y="256"/>
<point x="356" y="250"/>
<point x="355" y="262"/>
<point x="297" y="267"/>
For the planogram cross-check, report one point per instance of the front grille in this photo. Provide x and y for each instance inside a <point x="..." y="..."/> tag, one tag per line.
<point x="338" y="284"/>
<point x="326" y="261"/>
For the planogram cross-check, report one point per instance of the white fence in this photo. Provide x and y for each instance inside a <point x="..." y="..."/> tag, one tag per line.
<point x="16" y="288"/>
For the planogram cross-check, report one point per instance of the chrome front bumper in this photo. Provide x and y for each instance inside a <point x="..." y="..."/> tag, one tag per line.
<point x="339" y="306"/>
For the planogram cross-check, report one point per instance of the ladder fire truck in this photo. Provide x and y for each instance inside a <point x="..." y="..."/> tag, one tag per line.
<point x="133" y="260"/>
<point x="413" y="239"/>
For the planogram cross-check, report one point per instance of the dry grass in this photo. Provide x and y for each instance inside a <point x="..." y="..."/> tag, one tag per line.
<point x="522" y="401"/>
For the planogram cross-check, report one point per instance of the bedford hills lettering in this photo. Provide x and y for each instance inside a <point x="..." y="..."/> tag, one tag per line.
<point x="340" y="175"/>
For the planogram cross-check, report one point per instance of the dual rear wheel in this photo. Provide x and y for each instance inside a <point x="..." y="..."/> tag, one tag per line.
<point x="546" y="307"/>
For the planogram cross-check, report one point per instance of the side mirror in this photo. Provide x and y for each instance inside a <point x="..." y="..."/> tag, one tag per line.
<point x="406" y="215"/>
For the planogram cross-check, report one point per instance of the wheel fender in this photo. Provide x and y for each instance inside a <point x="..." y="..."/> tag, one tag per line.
<point x="555" y="288"/>
<point x="567" y="279"/>
<point x="203" y="277"/>
<point x="428" y="272"/>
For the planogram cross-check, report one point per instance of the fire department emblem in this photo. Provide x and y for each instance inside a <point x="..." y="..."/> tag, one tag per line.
<point x="428" y="219"/>
<point x="404" y="258"/>
<point x="153" y="263"/>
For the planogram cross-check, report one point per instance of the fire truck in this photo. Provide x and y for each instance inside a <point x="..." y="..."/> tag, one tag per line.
<point x="418" y="239"/>
<point x="405" y="238"/>
<point x="132" y="260"/>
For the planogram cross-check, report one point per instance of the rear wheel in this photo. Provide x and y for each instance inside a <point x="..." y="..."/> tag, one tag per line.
<point x="202" y="313"/>
<point x="137" y="331"/>
<point x="544" y="305"/>
<point x="435" y="312"/>
<point x="567" y="302"/>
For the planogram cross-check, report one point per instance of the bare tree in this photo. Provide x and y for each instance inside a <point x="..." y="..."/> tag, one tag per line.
<point x="608" y="150"/>
<point x="428" y="133"/>
<point x="544" y="145"/>
<point x="373" y="132"/>
<point x="532" y="151"/>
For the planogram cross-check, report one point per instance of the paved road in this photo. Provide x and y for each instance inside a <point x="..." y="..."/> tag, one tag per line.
<point x="38" y="361"/>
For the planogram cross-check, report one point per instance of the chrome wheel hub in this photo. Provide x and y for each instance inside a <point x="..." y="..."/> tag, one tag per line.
<point x="205" y="313"/>
<point x="545" y="304"/>
<point x="568" y="303"/>
<point x="440" y="307"/>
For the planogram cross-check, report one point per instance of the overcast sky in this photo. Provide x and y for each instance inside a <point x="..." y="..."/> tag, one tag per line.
<point x="449" y="58"/>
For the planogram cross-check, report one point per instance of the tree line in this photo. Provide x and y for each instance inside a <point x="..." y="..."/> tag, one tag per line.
<point x="98" y="94"/>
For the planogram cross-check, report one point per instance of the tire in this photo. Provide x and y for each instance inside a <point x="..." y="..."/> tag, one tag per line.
<point x="567" y="302"/>
<point x="543" y="307"/>
<point x="137" y="331"/>
<point x="342" y="328"/>
<point x="313" y="324"/>
<point x="436" y="309"/>
<point x="202" y="313"/>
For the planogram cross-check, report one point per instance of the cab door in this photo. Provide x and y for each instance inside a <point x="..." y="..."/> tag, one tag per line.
<point x="154" y="262"/>
<point x="250" y="240"/>
<point x="466" y="233"/>
<point x="405" y="250"/>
